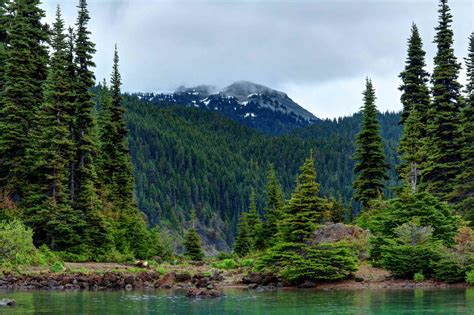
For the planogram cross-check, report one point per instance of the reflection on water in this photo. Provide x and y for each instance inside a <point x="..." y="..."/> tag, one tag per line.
<point x="417" y="301"/>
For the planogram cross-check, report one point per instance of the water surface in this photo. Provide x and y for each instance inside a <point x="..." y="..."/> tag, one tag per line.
<point x="363" y="302"/>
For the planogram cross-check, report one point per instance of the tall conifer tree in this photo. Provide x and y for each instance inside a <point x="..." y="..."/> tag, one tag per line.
<point x="253" y="219"/>
<point x="463" y="194"/>
<point x="24" y="75"/>
<point x="442" y="163"/>
<point x="415" y="92"/>
<point x="273" y="209"/>
<point x="48" y="210"/>
<point x="305" y="209"/>
<point x="243" y="241"/>
<point x="3" y="42"/>
<point x="370" y="166"/>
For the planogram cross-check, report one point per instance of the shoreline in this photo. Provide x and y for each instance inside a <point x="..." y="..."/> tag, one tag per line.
<point x="100" y="277"/>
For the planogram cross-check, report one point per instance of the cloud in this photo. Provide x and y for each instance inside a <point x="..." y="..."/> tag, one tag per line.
<point x="319" y="52"/>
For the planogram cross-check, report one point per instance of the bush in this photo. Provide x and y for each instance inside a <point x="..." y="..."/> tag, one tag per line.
<point x="470" y="277"/>
<point x="405" y="260"/>
<point x="296" y="262"/>
<point x="57" y="267"/>
<point x="16" y="244"/>
<point x="226" y="255"/>
<point x="247" y="262"/>
<point x="450" y="268"/>
<point x="419" y="277"/>
<point x="225" y="264"/>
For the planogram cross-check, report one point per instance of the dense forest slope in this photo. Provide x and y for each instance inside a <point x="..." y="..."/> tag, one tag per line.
<point x="188" y="158"/>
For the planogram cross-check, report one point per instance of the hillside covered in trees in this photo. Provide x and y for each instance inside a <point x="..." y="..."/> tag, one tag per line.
<point x="210" y="163"/>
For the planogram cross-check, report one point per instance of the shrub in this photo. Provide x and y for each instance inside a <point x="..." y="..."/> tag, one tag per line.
<point x="405" y="260"/>
<point x="247" y="262"/>
<point x="296" y="262"/>
<point x="450" y="268"/>
<point x="226" y="255"/>
<point x="16" y="244"/>
<point x="225" y="264"/>
<point x="57" y="267"/>
<point x="470" y="277"/>
<point x="419" y="277"/>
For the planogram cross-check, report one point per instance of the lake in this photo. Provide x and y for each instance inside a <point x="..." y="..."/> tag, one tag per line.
<point x="237" y="301"/>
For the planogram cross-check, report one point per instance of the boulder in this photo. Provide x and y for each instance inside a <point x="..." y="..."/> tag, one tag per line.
<point x="307" y="285"/>
<point x="204" y="293"/>
<point x="7" y="302"/>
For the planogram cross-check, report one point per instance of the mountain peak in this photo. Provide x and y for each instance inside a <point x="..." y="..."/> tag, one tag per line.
<point x="243" y="89"/>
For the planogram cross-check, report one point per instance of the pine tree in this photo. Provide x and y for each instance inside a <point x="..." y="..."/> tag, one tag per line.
<point x="411" y="151"/>
<point x="48" y="210"/>
<point x="24" y="75"/>
<point x="3" y="42"/>
<point x="85" y="198"/>
<point x="370" y="166"/>
<point x="253" y="220"/>
<point x="305" y="209"/>
<point x="192" y="241"/>
<point x="273" y="210"/>
<point x="415" y="92"/>
<point x="243" y="241"/>
<point x="442" y="163"/>
<point x="463" y="193"/>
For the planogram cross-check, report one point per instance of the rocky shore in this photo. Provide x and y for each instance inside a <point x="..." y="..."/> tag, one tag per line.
<point x="200" y="283"/>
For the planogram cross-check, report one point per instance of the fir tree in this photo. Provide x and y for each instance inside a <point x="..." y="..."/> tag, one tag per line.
<point x="253" y="220"/>
<point x="442" y="163"/>
<point x="3" y="41"/>
<point x="192" y="241"/>
<point x="273" y="209"/>
<point x="410" y="150"/>
<point x="305" y="209"/>
<point x="243" y="241"/>
<point x="370" y="161"/>
<point x="415" y="92"/>
<point x="85" y="198"/>
<point x="48" y="212"/>
<point x="463" y="193"/>
<point x="24" y="75"/>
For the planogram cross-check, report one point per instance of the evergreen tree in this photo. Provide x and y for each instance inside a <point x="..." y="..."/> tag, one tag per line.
<point x="370" y="161"/>
<point x="442" y="163"/>
<point x="48" y="210"/>
<point x="411" y="151"/>
<point x="192" y="241"/>
<point x="3" y="41"/>
<point x="463" y="194"/>
<point x="24" y="75"/>
<point x="305" y="209"/>
<point x="415" y="92"/>
<point x="253" y="220"/>
<point x="243" y="241"/>
<point x="273" y="209"/>
<point x="85" y="199"/>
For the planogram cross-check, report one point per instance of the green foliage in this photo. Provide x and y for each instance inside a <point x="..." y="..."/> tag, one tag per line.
<point x="297" y="262"/>
<point x="404" y="260"/>
<point x="247" y="262"/>
<point x="305" y="209"/>
<point x="16" y="242"/>
<point x="370" y="167"/>
<point x="225" y="264"/>
<point x="451" y="267"/>
<point x="442" y="164"/>
<point x="419" y="277"/>
<point x="192" y="244"/>
<point x="470" y="277"/>
<point x="57" y="267"/>
<point x="243" y="241"/>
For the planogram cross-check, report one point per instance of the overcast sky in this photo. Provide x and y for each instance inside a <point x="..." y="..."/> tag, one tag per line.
<point x="318" y="52"/>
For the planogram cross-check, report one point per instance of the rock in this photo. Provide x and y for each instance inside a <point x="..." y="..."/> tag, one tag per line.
<point x="167" y="281"/>
<point x="307" y="285"/>
<point x="263" y="279"/>
<point x="158" y="259"/>
<point x="141" y="263"/>
<point x="204" y="293"/>
<point x="7" y="302"/>
<point x="129" y="280"/>
<point x="210" y="286"/>
<point x="359" y="279"/>
<point x="183" y="277"/>
<point x="128" y="287"/>
<point x="252" y="286"/>
<point x="217" y="276"/>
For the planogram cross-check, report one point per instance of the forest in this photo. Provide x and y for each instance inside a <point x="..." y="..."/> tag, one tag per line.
<point x="89" y="173"/>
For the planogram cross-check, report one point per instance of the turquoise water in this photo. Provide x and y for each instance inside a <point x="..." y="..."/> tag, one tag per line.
<point x="363" y="302"/>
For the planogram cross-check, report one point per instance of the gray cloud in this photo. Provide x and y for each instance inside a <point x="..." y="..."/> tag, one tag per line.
<point x="319" y="52"/>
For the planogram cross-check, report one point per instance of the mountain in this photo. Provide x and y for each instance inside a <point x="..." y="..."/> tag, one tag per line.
<point x="186" y="157"/>
<point x="250" y="104"/>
